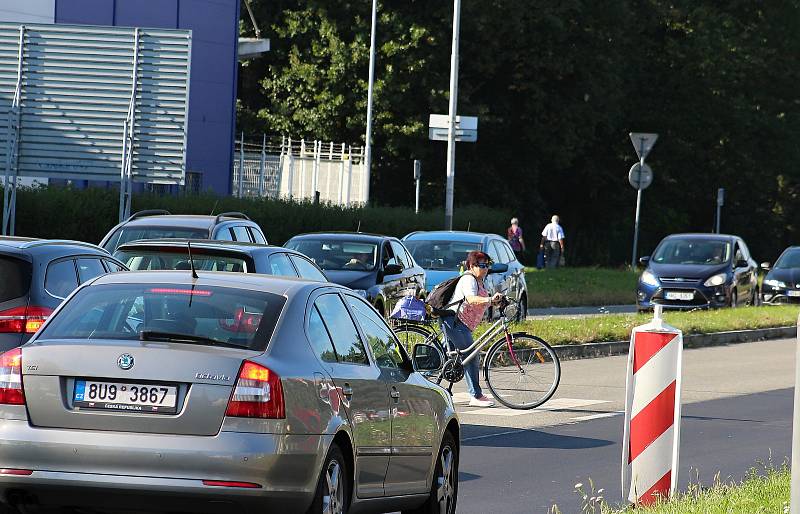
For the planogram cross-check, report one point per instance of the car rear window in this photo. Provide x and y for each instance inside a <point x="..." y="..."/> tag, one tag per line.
<point x="209" y="315"/>
<point x="127" y="234"/>
<point x="15" y="278"/>
<point x="178" y="259"/>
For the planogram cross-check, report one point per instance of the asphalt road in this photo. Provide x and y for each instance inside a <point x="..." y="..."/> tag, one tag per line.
<point x="737" y="408"/>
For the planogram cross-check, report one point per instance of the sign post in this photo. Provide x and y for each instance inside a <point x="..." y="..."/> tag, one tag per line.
<point x="417" y="177"/>
<point x="638" y="177"/>
<point x="453" y="129"/>
<point x="720" y="203"/>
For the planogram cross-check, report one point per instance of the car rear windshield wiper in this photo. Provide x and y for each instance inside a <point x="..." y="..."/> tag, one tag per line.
<point x="155" y="335"/>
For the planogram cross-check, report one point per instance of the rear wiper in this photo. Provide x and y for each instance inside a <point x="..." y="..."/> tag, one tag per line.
<point x="171" y="337"/>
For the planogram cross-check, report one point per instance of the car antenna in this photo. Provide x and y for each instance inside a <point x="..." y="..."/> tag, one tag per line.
<point x="191" y="261"/>
<point x="214" y="208"/>
<point x="359" y="226"/>
<point x="469" y="226"/>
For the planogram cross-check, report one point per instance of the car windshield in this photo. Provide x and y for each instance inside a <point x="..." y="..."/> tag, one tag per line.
<point x="440" y="255"/>
<point x="692" y="251"/>
<point x="203" y="314"/>
<point x="140" y="259"/>
<point x="136" y="233"/>
<point x="338" y="255"/>
<point x="789" y="259"/>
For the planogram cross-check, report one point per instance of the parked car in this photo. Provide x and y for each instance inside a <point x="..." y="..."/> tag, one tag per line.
<point x="160" y="224"/>
<point x="782" y="282"/>
<point x="173" y="254"/>
<point x="691" y="271"/>
<point x="227" y="393"/>
<point x="36" y="275"/>
<point x="378" y="267"/>
<point x="442" y="255"/>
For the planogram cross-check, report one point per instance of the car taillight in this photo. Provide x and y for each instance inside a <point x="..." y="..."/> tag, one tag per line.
<point x="23" y="320"/>
<point x="11" y="378"/>
<point x="258" y="393"/>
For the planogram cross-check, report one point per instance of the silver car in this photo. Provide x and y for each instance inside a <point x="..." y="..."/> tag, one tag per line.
<point x="228" y="393"/>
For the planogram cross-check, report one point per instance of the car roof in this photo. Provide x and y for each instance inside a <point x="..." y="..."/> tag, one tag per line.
<point x="700" y="235"/>
<point x="344" y="236"/>
<point x="274" y="284"/>
<point x="232" y="246"/>
<point x="33" y="244"/>
<point x="200" y="221"/>
<point x="449" y="235"/>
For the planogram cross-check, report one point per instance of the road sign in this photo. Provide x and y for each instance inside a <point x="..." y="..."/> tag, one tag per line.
<point x="442" y="121"/>
<point x="720" y="197"/>
<point x="640" y="176"/>
<point x="643" y="142"/>
<point x="462" y="136"/>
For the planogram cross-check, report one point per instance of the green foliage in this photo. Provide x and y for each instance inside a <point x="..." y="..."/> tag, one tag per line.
<point x="557" y="87"/>
<point x="567" y="287"/>
<point x="88" y="214"/>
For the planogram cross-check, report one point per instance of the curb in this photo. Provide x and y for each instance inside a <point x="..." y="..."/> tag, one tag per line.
<point x="606" y="349"/>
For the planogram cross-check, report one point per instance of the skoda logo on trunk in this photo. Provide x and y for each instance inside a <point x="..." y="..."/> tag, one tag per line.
<point x="125" y="361"/>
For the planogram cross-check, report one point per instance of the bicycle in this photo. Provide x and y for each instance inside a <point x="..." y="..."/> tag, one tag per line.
<point x="521" y="370"/>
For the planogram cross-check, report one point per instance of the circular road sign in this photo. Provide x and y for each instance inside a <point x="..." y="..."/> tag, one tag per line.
<point x="640" y="176"/>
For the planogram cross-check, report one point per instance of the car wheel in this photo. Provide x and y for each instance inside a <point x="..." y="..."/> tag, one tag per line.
<point x="444" y="487"/>
<point x="333" y="488"/>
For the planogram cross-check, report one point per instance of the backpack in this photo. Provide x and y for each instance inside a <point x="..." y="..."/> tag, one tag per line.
<point x="439" y="299"/>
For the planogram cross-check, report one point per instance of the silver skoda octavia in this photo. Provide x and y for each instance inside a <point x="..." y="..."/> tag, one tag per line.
<point x="153" y="391"/>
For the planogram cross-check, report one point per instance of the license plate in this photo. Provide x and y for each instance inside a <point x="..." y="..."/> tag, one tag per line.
<point x="126" y="396"/>
<point x="793" y="293"/>
<point x="678" y="295"/>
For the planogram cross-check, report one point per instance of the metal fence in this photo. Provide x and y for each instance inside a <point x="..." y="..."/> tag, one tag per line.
<point x="296" y="169"/>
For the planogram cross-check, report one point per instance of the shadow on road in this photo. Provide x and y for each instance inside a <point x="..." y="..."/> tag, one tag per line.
<point x="501" y="437"/>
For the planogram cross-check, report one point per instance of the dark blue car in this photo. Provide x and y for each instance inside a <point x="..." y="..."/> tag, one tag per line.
<point x="782" y="283"/>
<point x="696" y="271"/>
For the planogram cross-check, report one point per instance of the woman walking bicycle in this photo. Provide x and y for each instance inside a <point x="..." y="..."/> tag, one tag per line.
<point x="469" y="303"/>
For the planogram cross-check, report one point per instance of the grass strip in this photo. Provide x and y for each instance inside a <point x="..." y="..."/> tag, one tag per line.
<point x="618" y="327"/>
<point x="571" y="287"/>
<point x="761" y="491"/>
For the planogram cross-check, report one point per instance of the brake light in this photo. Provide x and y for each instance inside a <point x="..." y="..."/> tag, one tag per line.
<point x="172" y="290"/>
<point x="258" y="393"/>
<point x="23" y="320"/>
<point x="11" y="378"/>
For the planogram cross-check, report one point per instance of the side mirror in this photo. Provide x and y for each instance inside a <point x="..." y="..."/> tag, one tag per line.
<point x="644" y="260"/>
<point x="392" y="269"/>
<point x="498" y="267"/>
<point x="427" y="358"/>
<point x="766" y="266"/>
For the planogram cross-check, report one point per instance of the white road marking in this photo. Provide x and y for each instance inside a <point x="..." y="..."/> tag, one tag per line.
<point x="495" y="411"/>
<point x="597" y="416"/>
<point x="557" y="404"/>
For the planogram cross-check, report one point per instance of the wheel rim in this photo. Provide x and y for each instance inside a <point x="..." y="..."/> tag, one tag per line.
<point x="333" y="499"/>
<point x="445" y="482"/>
<point x="526" y="380"/>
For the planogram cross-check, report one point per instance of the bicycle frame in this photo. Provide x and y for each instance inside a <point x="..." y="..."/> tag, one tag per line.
<point x="501" y="325"/>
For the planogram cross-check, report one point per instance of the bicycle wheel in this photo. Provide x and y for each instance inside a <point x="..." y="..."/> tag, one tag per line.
<point x="524" y="374"/>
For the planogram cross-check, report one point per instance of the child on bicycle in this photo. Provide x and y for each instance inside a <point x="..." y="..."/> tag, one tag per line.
<point x="469" y="303"/>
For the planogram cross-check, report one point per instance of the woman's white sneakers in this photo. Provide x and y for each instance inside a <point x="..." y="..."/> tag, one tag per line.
<point x="483" y="401"/>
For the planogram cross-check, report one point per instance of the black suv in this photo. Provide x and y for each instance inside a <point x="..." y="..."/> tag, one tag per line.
<point x="160" y="224"/>
<point x="36" y="274"/>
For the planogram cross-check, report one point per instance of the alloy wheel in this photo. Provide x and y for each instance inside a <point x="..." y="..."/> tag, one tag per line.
<point x="445" y="491"/>
<point x="333" y="500"/>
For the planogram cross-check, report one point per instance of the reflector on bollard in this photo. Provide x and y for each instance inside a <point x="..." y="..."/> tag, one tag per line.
<point x="652" y="412"/>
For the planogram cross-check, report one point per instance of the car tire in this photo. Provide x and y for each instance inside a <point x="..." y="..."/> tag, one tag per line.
<point x="445" y="481"/>
<point x="334" y="485"/>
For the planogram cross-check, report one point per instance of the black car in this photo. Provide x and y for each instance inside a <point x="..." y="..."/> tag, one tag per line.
<point x="782" y="283"/>
<point x="36" y="275"/>
<point x="690" y="271"/>
<point x="173" y="254"/>
<point x="160" y="224"/>
<point x="378" y="267"/>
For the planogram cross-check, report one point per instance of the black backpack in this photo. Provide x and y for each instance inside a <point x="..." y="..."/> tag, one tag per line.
<point x="440" y="296"/>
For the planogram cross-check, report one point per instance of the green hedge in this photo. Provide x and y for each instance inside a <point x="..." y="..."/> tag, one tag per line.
<point x="88" y="214"/>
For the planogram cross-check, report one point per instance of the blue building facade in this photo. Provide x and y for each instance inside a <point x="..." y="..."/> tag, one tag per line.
<point x="212" y="89"/>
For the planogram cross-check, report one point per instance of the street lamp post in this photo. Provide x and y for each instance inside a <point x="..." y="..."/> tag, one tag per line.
<point x="370" y="87"/>
<point x="451" y="129"/>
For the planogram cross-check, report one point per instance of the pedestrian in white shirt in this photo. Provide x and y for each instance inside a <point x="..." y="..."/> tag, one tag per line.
<point x="552" y="242"/>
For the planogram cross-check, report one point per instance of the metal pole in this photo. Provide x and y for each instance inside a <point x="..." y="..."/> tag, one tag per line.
<point x="241" y="165"/>
<point x="349" y="176"/>
<point x="370" y="88"/>
<point x="451" y="129"/>
<point x="341" y="175"/>
<point x="638" y="207"/>
<point x="123" y="184"/>
<point x="262" y="171"/>
<point x="416" y="202"/>
<point x="302" y="169"/>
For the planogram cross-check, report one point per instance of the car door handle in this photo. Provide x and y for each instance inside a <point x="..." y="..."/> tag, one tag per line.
<point x="347" y="390"/>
